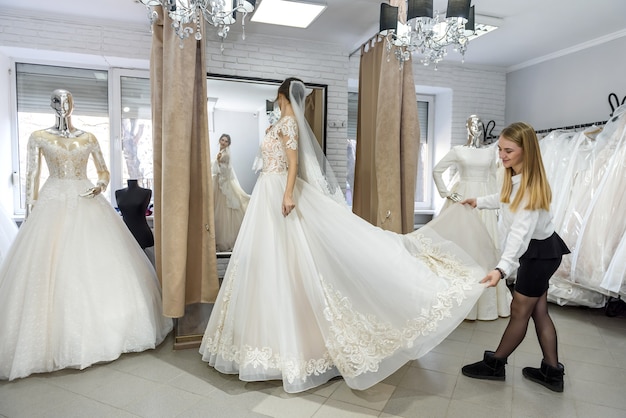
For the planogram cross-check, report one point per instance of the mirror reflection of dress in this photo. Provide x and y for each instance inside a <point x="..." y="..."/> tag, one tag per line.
<point x="76" y="289"/>
<point x="320" y="292"/>
<point x="476" y="176"/>
<point x="230" y="201"/>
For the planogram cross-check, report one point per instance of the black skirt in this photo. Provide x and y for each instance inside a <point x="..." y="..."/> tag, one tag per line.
<point x="538" y="264"/>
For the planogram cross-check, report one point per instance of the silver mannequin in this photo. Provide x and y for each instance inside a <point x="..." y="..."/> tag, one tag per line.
<point x="63" y="131"/>
<point x="63" y="104"/>
<point x="474" y="140"/>
<point x="474" y="132"/>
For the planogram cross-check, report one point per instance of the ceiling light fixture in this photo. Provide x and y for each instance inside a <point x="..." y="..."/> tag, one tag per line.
<point x="219" y="13"/>
<point x="427" y="33"/>
<point x="294" y="13"/>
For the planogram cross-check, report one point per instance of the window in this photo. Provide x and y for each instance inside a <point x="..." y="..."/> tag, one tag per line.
<point x="424" y="183"/>
<point x="135" y="130"/>
<point x="114" y="105"/>
<point x="34" y="86"/>
<point x="424" y="186"/>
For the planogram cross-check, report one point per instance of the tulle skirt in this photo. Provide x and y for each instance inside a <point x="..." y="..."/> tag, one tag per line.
<point x="76" y="288"/>
<point x="322" y="293"/>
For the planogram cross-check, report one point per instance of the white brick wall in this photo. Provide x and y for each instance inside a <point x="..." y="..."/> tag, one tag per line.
<point x="474" y="90"/>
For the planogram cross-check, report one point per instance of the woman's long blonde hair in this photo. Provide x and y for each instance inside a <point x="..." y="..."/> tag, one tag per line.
<point x="534" y="187"/>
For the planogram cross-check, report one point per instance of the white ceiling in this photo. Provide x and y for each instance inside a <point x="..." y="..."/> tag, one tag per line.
<point x="530" y="30"/>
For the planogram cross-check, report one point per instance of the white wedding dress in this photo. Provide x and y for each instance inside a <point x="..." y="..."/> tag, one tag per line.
<point x="322" y="293"/>
<point x="230" y="202"/>
<point x="476" y="177"/>
<point x="592" y="223"/>
<point x="76" y="288"/>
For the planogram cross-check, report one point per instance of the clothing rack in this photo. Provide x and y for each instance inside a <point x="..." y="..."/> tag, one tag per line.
<point x="572" y="127"/>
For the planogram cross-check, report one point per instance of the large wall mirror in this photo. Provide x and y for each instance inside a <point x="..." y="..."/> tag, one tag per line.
<point x="239" y="107"/>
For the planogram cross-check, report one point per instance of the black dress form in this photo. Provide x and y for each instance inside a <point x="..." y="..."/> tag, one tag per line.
<point x="132" y="202"/>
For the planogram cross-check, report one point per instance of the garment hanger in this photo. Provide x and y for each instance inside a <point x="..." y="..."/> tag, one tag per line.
<point x="488" y="131"/>
<point x="613" y="98"/>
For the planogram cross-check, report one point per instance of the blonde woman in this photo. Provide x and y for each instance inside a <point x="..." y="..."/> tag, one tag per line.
<point x="530" y="245"/>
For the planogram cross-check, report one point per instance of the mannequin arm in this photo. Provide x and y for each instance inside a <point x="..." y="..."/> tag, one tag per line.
<point x="101" y="168"/>
<point x="33" y="170"/>
<point x="446" y="162"/>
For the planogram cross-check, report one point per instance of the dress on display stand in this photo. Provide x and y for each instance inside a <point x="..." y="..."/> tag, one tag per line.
<point x="321" y="293"/>
<point x="133" y="202"/>
<point x="475" y="177"/>
<point x="8" y="232"/>
<point x="75" y="289"/>
<point x="231" y="202"/>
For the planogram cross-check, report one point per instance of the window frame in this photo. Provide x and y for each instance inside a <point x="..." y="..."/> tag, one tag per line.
<point x="114" y="116"/>
<point x="428" y="205"/>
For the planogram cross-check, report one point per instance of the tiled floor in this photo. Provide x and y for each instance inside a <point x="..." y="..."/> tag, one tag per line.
<point x="167" y="383"/>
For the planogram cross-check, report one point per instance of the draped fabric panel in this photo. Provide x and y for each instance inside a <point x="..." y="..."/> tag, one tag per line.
<point x="387" y="140"/>
<point x="183" y="220"/>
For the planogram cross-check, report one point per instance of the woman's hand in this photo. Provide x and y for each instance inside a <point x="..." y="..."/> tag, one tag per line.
<point x="288" y="205"/>
<point x="471" y="201"/>
<point x="492" y="278"/>
<point x="219" y="156"/>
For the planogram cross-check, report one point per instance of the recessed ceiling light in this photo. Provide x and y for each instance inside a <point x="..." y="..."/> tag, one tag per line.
<point x="297" y="14"/>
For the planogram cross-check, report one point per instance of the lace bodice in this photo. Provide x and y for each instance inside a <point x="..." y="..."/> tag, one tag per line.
<point x="283" y="135"/>
<point x="66" y="158"/>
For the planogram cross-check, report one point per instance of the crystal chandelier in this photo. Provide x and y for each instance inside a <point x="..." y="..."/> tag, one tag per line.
<point x="186" y="13"/>
<point x="427" y="33"/>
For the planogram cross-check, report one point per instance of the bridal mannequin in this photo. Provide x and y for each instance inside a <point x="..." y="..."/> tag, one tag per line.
<point x="64" y="134"/>
<point x="476" y="167"/>
<point x="133" y="201"/>
<point x="75" y="288"/>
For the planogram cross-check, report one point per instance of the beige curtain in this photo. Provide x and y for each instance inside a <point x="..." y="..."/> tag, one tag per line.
<point x="183" y="198"/>
<point x="388" y="138"/>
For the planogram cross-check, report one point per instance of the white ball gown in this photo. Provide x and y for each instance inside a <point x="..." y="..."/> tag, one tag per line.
<point x="322" y="293"/>
<point x="76" y="288"/>
<point x="8" y="232"/>
<point x="230" y="202"/>
<point x="475" y="177"/>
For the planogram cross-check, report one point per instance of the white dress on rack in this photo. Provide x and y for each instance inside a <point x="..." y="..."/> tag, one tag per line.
<point x="604" y="224"/>
<point x="476" y="177"/>
<point x="571" y="283"/>
<point x="322" y="293"/>
<point x="76" y="288"/>
<point x="8" y="231"/>
<point x="230" y="202"/>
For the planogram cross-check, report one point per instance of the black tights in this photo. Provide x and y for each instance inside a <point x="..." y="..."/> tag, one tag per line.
<point x="522" y="309"/>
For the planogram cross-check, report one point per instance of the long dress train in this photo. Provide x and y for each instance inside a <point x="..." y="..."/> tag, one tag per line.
<point x="76" y="288"/>
<point x="322" y="293"/>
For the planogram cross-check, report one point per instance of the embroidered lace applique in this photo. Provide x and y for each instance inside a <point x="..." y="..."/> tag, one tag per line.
<point x="273" y="148"/>
<point x="359" y="341"/>
<point x="64" y="161"/>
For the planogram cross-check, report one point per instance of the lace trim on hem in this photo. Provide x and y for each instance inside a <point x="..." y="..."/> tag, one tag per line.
<point x="360" y="342"/>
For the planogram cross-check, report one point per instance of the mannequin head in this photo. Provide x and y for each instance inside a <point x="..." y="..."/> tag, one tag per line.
<point x="474" y="131"/>
<point x="62" y="102"/>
